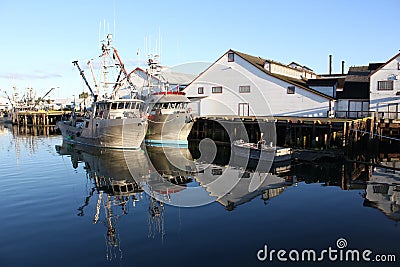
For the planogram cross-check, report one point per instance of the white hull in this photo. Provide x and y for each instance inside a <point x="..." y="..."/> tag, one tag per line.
<point x="251" y="151"/>
<point x="169" y="128"/>
<point x="110" y="133"/>
<point x="170" y="122"/>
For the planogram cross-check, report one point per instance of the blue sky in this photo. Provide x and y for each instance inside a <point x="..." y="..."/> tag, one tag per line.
<point x="40" y="39"/>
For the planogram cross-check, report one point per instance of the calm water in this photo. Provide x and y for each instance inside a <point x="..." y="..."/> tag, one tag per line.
<point x="67" y="206"/>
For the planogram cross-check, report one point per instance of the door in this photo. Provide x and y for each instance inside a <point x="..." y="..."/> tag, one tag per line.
<point x="243" y="109"/>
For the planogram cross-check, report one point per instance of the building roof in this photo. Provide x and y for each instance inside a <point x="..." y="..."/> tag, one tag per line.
<point x="332" y="75"/>
<point x="374" y="66"/>
<point x="170" y="76"/>
<point x="358" y="74"/>
<point x="177" y="77"/>
<point x="384" y="64"/>
<point x="259" y="62"/>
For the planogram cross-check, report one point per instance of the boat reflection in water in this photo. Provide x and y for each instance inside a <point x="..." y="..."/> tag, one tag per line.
<point x="118" y="177"/>
<point x="155" y="176"/>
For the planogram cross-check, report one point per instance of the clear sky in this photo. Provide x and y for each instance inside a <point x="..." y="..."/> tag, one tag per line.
<point x="39" y="39"/>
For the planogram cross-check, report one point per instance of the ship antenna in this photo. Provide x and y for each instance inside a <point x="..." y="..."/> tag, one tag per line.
<point x="114" y="21"/>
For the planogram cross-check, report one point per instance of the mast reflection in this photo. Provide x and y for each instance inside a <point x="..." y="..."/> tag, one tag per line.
<point x="118" y="177"/>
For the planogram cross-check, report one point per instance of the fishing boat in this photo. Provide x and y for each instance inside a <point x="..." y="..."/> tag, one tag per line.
<point x="170" y="119"/>
<point x="112" y="122"/>
<point x="261" y="151"/>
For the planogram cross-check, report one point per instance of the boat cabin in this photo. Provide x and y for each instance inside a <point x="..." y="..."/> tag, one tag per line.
<point x="168" y="103"/>
<point x="118" y="109"/>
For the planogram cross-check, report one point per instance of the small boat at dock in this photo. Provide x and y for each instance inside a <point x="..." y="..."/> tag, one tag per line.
<point x="261" y="151"/>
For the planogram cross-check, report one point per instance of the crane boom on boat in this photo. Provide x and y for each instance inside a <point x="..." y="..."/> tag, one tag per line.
<point x="84" y="78"/>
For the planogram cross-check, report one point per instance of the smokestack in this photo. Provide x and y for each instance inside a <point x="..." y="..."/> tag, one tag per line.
<point x="342" y="66"/>
<point x="330" y="64"/>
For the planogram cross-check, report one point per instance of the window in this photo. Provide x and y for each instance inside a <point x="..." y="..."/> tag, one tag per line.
<point x="385" y="85"/>
<point x="231" y="57"/>
<point x="290" y="89"/>
<point x="200" y="90"/>
<point x="121" y="105"/>
<point x="398" y="65"/>
<point x="217" y="90"/>
<point x="244" y="89"/>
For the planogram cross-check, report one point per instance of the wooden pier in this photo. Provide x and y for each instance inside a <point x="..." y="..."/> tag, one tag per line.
<point x="40" y="117"/>
<point x="296" y="132"/>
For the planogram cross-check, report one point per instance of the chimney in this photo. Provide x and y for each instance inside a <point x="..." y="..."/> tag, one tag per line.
<point x="342" y="66"/>
<point x="330" y="64"/>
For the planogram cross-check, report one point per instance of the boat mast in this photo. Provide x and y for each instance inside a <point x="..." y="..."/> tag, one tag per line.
<point x="94" y="78"/>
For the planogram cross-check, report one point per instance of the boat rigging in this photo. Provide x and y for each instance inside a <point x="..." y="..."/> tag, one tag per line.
<point x="86" y="81"/>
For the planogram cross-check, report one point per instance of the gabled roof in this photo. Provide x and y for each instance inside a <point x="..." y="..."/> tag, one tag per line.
<point x="383" y="65"/>
<point x="374" y="66"/>
<point x="169" y="76"/>
<point x="259" y="62"/>
<point x="358" y="74"/>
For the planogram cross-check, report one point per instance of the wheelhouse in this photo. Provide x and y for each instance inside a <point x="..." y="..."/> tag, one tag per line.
<point x="119" y="109"/>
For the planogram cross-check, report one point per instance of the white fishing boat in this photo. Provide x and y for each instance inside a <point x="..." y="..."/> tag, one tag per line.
<point x="113" y="122"/>
<point x="261" y="151"/>
<point x="170" y="120"/>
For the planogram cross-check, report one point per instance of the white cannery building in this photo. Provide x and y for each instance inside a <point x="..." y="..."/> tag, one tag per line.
<point x="384" y="86"/>
<point x="243" y="85"/>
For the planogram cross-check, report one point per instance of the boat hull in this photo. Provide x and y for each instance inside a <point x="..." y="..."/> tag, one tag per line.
<point x="272" y="154"/>
<point x="116" y="133"/>
<point x="169" y="128"/>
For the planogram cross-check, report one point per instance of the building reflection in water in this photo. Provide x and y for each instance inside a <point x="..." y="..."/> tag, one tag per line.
<point x="383" y="190"/>
<point x="378" y="179"/>
<point x="249" y="183"/>
<point x="121" y="178"/>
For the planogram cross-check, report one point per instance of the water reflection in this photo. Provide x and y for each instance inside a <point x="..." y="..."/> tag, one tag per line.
<point x="383" y="191"/>
<point x="248" y="183"/>
<point x="155" y="176"/>
<point x="118" y="178"/>
<point x="27" y="138"/>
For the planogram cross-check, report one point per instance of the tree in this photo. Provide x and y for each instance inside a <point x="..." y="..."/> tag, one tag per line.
<point x="84" y="95"/>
